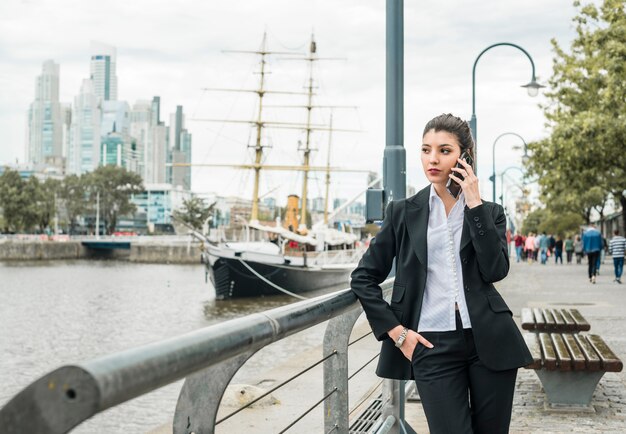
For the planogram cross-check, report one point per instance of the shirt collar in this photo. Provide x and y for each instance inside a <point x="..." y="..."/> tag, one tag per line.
<point x="433" y="197"/>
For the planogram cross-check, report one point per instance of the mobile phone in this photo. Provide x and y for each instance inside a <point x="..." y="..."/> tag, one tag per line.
<point x="452" y="186"/>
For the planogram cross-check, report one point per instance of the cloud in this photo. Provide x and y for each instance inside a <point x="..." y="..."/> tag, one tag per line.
<point x="174" y="49"/>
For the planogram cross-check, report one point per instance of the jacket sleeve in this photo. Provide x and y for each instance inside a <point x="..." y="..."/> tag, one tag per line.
<point x="488" y="234"/>
<point x="373" y="269"/>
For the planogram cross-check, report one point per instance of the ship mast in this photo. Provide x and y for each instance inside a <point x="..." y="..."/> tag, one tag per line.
<point x="258" y="146"/>
<point x="260" y="124"/>
<point x="307" y="147"/>
<point x="330" y="138"/>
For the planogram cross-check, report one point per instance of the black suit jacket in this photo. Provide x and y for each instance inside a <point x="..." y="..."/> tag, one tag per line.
<point x="484" y="259"/>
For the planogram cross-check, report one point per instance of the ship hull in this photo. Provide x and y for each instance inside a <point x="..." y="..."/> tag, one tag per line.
<point x="232" y="279"/>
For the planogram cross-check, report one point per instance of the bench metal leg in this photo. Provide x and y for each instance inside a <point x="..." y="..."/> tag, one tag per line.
<point x="569" y="387"/>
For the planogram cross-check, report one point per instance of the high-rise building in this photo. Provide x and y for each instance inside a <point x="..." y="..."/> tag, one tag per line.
<point x="179" y="151"/>
<point x="116" y="144"/>
<point x="104" y="71"/>
<point x="45" y="118"/>
<point x="149" y="141"/>
<point x="84" y="149"/>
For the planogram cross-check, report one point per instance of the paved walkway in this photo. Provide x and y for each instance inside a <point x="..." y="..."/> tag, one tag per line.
<point x="603" y="305"/>
<point x="527" y="285"/>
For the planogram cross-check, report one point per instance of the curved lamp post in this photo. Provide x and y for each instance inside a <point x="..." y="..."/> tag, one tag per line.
<point x="532" y="87"/>
<point x="492" y="178"/>
<point x="515" y="185"/>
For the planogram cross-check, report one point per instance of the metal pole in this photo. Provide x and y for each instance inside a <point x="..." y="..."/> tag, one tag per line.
<point x="56" y="216"/>
<point x="394" y="161"/>
<point x="493" y="160"/>
<point x="98" y="215"/>
<point x="473" y="122"/>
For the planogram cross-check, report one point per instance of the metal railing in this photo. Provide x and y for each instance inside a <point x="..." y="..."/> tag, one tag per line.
<point x="208" y="359"/>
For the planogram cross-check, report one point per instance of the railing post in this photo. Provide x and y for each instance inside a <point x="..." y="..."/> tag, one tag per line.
<point x="391" y="401"/>
<point x="336" y="338"/>
<point x="201" y="394"/>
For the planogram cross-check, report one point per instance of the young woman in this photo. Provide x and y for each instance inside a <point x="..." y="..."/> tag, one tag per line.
<point x="446" y="326"/>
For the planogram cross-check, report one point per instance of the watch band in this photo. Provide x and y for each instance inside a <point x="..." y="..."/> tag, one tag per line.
<point x="402" y="337"/>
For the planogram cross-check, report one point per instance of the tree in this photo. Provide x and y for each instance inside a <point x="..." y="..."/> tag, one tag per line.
<point x="115" y="185"/>
<point x="73" y="195"/>
<point x="586" y="115"/>
<point x="12" y="200"/>
<point x="47" y="202"/>
<point x="194" y="212"/>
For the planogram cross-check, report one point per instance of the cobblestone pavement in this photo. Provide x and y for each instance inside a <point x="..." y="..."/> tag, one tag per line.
<point x="602" y="304"/>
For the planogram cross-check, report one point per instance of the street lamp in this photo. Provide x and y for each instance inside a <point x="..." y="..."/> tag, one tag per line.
<point x="516" y="185"/>
<point x="532" y="87"/>
<point x="492" y="178"/>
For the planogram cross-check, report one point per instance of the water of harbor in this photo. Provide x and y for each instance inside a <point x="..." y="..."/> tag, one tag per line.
<point x="61" y="312"/>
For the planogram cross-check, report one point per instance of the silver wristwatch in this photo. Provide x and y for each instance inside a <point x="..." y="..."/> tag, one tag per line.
<point x="402" y="337"/>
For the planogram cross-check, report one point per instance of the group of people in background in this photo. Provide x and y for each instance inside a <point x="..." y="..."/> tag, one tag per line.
<point x="541" y="247"/>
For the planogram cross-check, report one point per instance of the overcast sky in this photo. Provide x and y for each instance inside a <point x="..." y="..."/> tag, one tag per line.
<point x="174" y="49"/>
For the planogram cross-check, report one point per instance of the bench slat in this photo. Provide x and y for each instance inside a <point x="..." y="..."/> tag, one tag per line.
<point x="532" y="343"/>
<point x="610" y="362"/>
<point x="570" y="324"/>
<point x="558" y="319"/>
<point x="528" y="319"/>
<point x="547" y="349"/>
<point x="562" y="355"/>
<point x="581" y="322"/>
<point x="593" y="361"/>
<point x="549" y="319"/>
<point x="539" y="319"/>
<point x="578" y="358"/>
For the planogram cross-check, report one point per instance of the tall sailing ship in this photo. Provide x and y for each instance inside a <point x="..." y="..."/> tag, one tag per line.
<point x="289" y="258"/>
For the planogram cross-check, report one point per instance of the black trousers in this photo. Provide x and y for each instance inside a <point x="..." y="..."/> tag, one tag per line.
<point x="592" y="257"/>
<point x="459" y="394"/>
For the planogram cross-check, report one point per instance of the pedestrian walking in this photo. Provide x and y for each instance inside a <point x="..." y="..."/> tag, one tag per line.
<point x="530" y="247"/>
<point x="617" y="246"/>
<point x="551" y="244"/>
<point x="446" y="325"/>
<point x="558" y="250"/>
<point x="569" y="248"/>
<point x="578" y="249"/>
<point x="519" y="245"/>
<point x="544" y="243"/>
<point x="592" y="244"/>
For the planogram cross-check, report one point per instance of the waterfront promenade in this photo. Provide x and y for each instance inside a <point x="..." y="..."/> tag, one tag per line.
<point x="528" y="285"/>
<point x="603" y="305"/>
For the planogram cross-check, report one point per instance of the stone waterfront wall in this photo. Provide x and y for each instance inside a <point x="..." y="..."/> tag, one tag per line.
<point x="25" y="251"/>
<point x="165" y="254"/>
<point x="147" y="253"/>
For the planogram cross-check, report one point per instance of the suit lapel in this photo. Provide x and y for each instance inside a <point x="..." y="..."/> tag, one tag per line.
<point x="465" y="235"/>
<point x="416" y="220"/>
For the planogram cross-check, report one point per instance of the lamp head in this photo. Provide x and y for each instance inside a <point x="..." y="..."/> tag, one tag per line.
<point x="533" y="87"/>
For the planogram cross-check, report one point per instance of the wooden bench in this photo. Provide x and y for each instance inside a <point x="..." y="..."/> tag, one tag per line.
<point x="570" y="366"/>
<point x="553" y="320"/>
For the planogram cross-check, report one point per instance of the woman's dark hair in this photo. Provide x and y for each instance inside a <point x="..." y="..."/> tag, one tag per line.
<point x="453" y="125"/>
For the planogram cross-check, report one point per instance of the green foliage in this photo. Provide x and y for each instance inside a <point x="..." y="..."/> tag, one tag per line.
<point x="194" y="212"/>
<point x="115" y="186"/>
<point x="533" y="221"/>
<point x="13" y="201"/>
<point x="73" y="196"/>
<point x="48" y="196"/>
<point x="581" y="164"/>
<point x="31" y="204"/>
<point x="544" y="220"/>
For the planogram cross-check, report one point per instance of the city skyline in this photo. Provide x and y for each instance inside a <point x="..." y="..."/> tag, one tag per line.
<point x="441" y="42"/>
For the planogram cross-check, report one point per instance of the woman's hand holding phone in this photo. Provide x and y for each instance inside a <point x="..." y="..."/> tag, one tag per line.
<point x="468" y="182"/>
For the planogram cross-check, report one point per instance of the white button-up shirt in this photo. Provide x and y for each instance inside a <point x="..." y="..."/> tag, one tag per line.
<point x="444" y="279"/>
